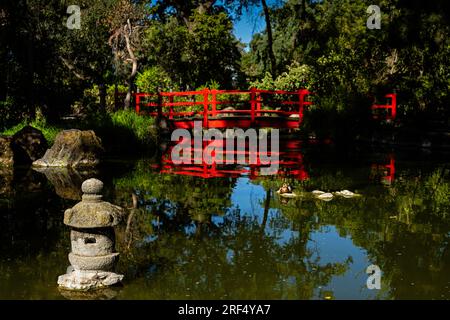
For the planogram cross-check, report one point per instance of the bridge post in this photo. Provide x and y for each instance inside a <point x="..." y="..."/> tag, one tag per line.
<point x="301" y="98"/>
<point x="138" y="103"/>
<point x="252" y="104"/>
<point x="393" y="97"/>
<point x="389" y="178"/>
<point x="159" y="105"/>
<point x="253" y="172"/>
<point x="214" y="102"/>
<point x="302" y="94"/>
<point x="205" y="107"/>
<point x="171" y="107"/>
<point x="258" y="104"/>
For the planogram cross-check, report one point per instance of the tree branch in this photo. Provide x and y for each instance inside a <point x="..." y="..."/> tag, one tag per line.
<point x="72" y="68"/>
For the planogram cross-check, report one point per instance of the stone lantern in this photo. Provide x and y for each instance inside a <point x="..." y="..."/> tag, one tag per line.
<point x="93" y="255"/>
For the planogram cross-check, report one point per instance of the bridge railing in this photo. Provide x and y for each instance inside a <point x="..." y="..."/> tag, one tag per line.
<point x="206" y="104"/>
<point x="390" y="107"/>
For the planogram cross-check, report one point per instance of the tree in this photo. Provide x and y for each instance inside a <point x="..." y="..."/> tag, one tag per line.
<point x="354" y="66"/>
<point x="85" y="52"/>
<point x="197" y="53"/>
<point x="239" y="5"/>
<point x="126" y="22"/>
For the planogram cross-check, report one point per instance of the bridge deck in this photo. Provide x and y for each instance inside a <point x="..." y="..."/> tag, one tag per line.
<point x="238" y="122"/>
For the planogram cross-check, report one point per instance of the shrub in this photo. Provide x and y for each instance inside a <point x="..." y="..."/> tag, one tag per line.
<point x="154" y="79"/>
<point x="297" y="77"/>
<point x="141" y="126"/>
<point x="122" y="131"/>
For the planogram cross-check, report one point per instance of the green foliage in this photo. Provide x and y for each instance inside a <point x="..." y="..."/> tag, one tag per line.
<point x="209" y="85"/>
<point x="142" y="127"/>
<point x="90" y="99"/>
<point x="353" y="66"/>
<point x="154" y="79"/>
<point x="437" y="186"/>
<point x="199" y="50"/>
<point x="296" y="77"/>
<point x="122" y="132"/>
<point x="49" y="131"/>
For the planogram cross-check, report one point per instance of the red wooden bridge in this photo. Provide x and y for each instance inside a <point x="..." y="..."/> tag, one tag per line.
<point x="226" y="108"/>
<point x="252" y="108"/>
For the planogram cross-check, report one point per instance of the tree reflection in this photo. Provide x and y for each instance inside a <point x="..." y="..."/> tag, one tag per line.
<point x="404" y="229"/>
<point x="189" y="254"/>
<point x="200" y="246"/>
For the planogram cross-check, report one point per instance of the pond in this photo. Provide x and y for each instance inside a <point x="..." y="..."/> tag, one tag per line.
<point x="224" y="233"/>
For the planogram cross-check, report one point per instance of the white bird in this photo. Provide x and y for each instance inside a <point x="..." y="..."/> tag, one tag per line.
<point x="347" y="194"/>
<point x="325" y="196"/>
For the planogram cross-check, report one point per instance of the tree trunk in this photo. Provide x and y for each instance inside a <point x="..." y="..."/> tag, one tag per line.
<point x="266" y="210"/>
<point x="273" y="62"/>
<point x="303" y="16"/>
<point x="134" y="67"/>
<point x="30" y="77"/>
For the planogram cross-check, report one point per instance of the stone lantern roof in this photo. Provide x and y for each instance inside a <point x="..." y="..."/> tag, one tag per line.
<point x="92" y="211"/>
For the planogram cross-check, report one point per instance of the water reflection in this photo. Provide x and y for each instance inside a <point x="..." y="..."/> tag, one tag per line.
<point x="67" y="181"/>
<point x="289" y="161"/>
<point x="384" y="171"/>
<point x="234" y="237"/>
<point x="99" y="294"/>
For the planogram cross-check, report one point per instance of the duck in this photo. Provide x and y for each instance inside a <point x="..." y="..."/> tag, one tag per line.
<point x="286" y="191"/>
<point x="285" y="188"/>
<point x="325" y="196"/>
<point x="347" y="194"/>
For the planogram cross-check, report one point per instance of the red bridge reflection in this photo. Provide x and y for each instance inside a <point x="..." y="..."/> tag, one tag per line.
<point x="288" y="162"/>
<point x="385" y="171"/>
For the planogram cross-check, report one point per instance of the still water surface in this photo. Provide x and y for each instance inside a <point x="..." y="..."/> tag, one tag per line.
<point x="228" y="235"/>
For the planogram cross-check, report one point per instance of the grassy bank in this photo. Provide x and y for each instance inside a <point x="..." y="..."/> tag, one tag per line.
<point x="49" y="131"/>
<point x="120" y="131"/>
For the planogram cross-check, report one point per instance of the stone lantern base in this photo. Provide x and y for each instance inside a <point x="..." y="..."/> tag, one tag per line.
<point x="87" y="280"/>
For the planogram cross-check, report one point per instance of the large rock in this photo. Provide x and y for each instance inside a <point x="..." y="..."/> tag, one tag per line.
<point x="6" y="152"/>
<point x="28" y="144"/>
<point x="6" y="179"/>
<point x="73" y="148"/>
